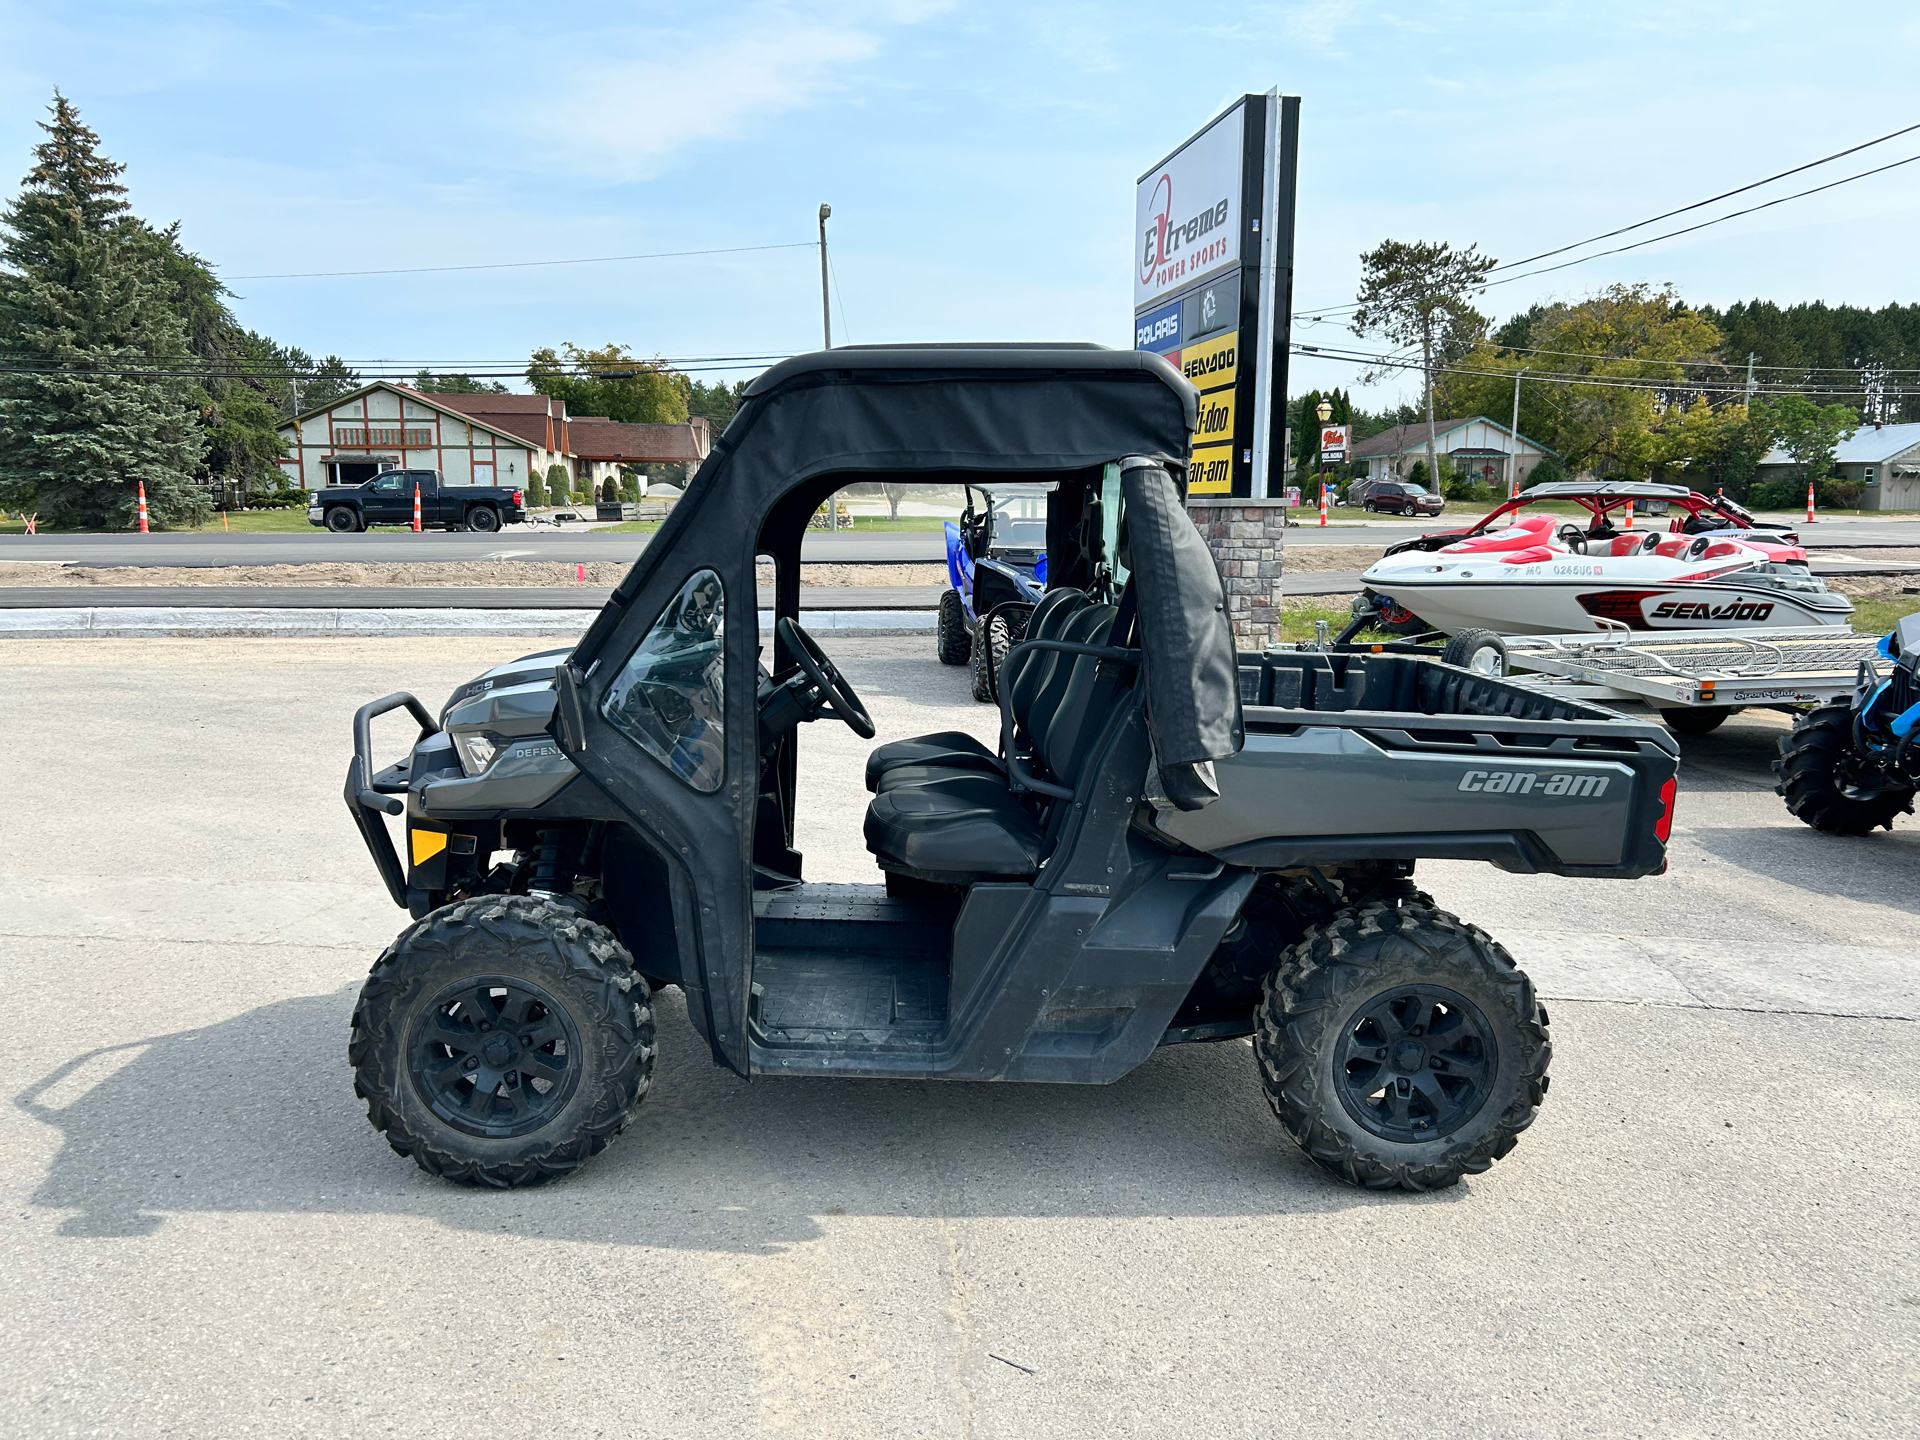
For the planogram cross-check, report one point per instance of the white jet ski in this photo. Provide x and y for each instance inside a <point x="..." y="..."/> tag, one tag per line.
<point x="1526" y="580"/>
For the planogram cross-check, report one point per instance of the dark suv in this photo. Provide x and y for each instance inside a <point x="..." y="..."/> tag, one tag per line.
<point x="1396" y="497"/>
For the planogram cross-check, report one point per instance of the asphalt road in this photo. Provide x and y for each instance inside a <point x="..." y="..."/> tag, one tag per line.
<point x="422" y="597"/>
<point x="521" y="543"/>
<point x="1710" y="1231"/>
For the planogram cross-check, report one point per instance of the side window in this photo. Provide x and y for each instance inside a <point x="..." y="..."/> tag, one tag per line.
<point x="388" y="484"/>
<point x="670" y="696"/>
<point x="1110" y="505"/>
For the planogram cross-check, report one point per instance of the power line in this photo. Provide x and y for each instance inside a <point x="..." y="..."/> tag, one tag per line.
<point x="1730" y="385"/>
<point x="522" y="264"/>
<point x="1315" y="316"/>
<point x="1751" y="209"/>
<point x="1724" y="195"/>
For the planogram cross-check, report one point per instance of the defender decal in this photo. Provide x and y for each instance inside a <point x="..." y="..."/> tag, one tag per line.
<point x="1532" y="782"/>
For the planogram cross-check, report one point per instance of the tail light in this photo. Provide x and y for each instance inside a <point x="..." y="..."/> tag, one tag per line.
<point x="516" y="498"/>
<point x="1663" y="827"/>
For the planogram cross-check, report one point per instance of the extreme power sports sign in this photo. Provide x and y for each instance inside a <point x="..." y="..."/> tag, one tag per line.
<point x="1213" y="275"/>
<point x="1186" y="213"/>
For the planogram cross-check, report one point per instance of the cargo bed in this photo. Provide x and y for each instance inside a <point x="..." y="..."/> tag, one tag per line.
<point x="1393" y="756"/>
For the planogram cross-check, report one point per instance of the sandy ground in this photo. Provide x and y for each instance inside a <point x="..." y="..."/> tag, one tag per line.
<point x="463" y="572"/>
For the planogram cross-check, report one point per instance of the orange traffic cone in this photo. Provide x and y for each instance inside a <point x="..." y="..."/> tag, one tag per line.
<point x="1323" y="503"/>
<point x="416" y="507"/>
<point x="143" y="505"/>
<point x="1810" y="519"/>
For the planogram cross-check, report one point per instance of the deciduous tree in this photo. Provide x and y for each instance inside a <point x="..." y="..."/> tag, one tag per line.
<point x="1417" y="293"/>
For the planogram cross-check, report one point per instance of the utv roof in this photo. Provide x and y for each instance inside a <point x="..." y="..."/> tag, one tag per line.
<point x="1062" y="357"/>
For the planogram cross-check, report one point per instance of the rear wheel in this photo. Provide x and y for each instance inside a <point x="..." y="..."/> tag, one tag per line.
<point x="502" y="1041"/>
<point x="1826" y="783"/>
<point x="342" y="521"/>
<point x="483" y="518"/>
<point x="952" y="640"/>
<point x="1400" y="1047"/>
<point x="980" y="664"/>
<point x="1697" y="720"/>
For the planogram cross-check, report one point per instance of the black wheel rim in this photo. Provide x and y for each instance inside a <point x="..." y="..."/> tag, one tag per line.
<point x="495" y="1056"/>
<point x="1416" y="1063"/>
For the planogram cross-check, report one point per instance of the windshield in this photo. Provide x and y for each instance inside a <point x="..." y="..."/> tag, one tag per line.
<point x="1020" y="523"/>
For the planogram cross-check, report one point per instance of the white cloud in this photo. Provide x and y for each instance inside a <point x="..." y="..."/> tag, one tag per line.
<point x="627" y="117"/>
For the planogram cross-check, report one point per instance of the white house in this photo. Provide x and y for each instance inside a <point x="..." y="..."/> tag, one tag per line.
<point x="385" y="426"/>
<point x="1884" y="458"/>
<point x="1475" y="446"/>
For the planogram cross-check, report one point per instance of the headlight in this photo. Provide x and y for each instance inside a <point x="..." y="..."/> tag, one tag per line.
<point x="476" y="750"/>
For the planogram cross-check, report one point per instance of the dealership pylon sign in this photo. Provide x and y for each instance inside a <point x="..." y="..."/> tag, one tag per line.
<point x="1213" y="283"/>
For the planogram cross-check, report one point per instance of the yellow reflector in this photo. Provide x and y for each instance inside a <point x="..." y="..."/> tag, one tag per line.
<point x="427" y="844"/>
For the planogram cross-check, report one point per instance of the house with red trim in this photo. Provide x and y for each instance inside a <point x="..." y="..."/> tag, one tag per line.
<point x="473" y="439"/>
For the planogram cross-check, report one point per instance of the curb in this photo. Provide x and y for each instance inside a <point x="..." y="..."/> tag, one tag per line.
<point x="168" y="621"/>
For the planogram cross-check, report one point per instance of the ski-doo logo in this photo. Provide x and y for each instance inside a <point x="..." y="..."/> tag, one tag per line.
<point x="1164" y="238"/>
<point x="1531" y="782"/>
<point x="1701" y="610"/>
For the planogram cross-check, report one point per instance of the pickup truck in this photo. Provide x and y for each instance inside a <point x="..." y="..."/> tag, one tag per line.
<point x="387" y="499"/>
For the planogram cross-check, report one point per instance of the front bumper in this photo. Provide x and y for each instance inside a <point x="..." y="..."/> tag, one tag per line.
<point x="371" y="796"/>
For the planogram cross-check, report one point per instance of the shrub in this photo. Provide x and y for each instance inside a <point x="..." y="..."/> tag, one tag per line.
<point x="630" y="487"/>
<point x="1776" y="492"/>
<point x="536" y="489"/>
<point x="1418" y="474"/>
<point x="559" y="484"/>
<point x="1840" y="494"/>
<point x="1548" y="471"/>
<point x="610" y="489"/>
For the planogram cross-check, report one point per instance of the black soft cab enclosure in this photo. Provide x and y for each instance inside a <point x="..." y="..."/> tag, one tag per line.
<point x="1125" y="867"/>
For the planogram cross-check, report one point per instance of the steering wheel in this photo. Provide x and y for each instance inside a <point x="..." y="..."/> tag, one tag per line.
<point x="1573" y="537"/>
<point x="835" y="694"/>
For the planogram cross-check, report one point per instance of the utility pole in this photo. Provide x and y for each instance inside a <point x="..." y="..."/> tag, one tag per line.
<point x="826" y="314"/>
<point x="1513" y="470"/>
<point x="1750" y="385"/>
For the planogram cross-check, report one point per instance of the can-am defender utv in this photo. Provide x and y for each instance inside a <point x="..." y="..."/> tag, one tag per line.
<point x="1170" y="843"/>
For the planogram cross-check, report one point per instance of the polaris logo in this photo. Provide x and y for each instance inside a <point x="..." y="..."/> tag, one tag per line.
<point x="1531" y="782"/>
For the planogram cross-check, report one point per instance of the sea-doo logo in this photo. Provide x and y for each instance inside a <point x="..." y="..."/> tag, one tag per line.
<point x="1170" y="248"/>
<point x="1702" y="610"/>
<point x="1532" y="782"/>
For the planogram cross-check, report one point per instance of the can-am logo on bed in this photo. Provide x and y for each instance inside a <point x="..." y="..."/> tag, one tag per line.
<point x="1532" y="782"/>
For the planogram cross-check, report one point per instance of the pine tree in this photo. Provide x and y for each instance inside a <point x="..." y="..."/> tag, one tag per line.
<point x="83" y="299"/>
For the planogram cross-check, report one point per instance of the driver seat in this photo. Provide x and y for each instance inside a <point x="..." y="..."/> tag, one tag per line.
<point x="957" y="750"/>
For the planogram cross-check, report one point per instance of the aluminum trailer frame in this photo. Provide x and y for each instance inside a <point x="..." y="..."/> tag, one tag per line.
<point x="1767" y="668"/>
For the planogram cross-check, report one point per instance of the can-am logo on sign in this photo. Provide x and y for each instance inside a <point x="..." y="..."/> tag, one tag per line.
<point x="1187" y="212"/>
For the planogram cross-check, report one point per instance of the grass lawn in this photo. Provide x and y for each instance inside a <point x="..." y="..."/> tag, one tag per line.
<point x="249" y="522"/>
<point x="862" y="523"/>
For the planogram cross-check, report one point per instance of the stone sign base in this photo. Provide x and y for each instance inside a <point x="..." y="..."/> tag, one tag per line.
<point x="1247" y="537"/>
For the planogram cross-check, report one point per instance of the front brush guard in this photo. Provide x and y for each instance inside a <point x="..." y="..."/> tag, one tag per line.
<point x="369" y="796"/>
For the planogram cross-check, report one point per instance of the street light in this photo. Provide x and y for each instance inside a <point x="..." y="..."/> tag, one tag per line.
<point x="1325" y="411"/>
<point x="826" y="315"/>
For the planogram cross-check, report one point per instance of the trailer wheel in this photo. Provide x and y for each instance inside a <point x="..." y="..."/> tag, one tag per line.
<point x="1401" y="1048"/>
<point x="502" y="1041"/>
<point x="952" y="640"/>
<point x="342" y="521"/>
<point x="1827" y="784"/>
<point x="1698" y="719"/>
<point x="1480" y="651"/>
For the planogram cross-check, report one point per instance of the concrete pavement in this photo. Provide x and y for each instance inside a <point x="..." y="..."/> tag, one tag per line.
<point x="1710" y="1230"/>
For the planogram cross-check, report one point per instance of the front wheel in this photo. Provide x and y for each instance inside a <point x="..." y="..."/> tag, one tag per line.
<point x="1401" y="1048"/>
<point x="342" y="521"/>
<point x="952" y="640"/>
<point x="1830" y="785"/>
<point x="502" y="1041"/>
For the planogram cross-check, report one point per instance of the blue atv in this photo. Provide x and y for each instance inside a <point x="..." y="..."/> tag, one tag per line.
<point x="997" y="571"/>
<point x="1852" y="765"/>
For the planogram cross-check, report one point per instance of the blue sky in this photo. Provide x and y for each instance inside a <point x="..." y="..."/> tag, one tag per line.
<point x="980" y="158"/>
